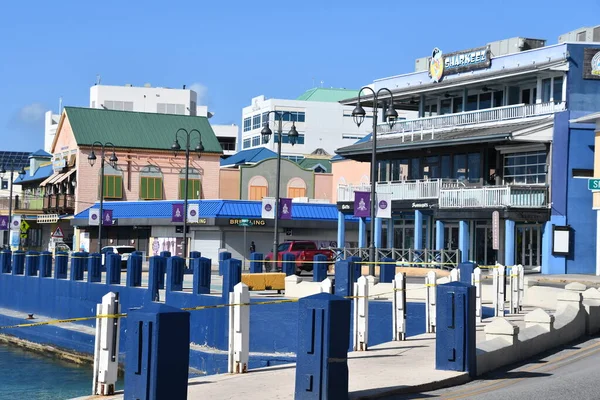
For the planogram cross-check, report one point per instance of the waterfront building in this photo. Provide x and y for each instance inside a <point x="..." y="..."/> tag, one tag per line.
<point x="10" y="161"/>
<point x="492" y="134"/>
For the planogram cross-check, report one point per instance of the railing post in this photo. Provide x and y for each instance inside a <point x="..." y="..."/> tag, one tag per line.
<point x="430" y="286"/>
<point x="361" y="314"/>
<point x="239" y="330"/>
<point x="106" y="349"/>
<point x="256" y="263"/>
<point x="45" y="264"/>
<point x="61" y="260"/>
<point x="5" y="258"/>
<point x="476" y="277"/>
<point x="399" y="307"/>
<point x="94" y="267"/>
<point x="113" y="269"/>
<point x="521" y="286"/>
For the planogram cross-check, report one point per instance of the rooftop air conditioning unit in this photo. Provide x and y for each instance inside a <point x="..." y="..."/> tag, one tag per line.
<point x="585" y="34"/>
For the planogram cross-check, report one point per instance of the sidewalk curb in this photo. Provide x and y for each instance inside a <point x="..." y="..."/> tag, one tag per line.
<point x="424" y="387"/>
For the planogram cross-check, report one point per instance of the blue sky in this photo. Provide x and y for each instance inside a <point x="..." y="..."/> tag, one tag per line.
<point x="238" y="49"/>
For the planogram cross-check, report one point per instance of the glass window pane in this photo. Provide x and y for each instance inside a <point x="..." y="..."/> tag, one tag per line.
<point x="445" y="106"/>
<point x="301" y="116"/>
<point x="457" y="105"/>
<point x="485" y="100"/>
<point x="474" y="167"/>
<point x="415" y="170"/>
<point x="446" y="172"/>
<point x="498" y="99"/>
<point x="460" y="166"/>
<point x="546" y="89"/>
<point x="558" y="84"/>
<point x="300" y="141"/>
<point x="471" y="103"/>
<point x="256" y="121"/>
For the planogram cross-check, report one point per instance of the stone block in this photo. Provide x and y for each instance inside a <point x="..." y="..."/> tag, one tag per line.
<point x="576" y="287"/>
<point x="541" y="318"/>
<point x="592" y="294"/>
<point x="501" y="328"/>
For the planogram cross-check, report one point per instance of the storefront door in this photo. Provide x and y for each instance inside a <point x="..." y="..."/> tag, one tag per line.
<point x="529" y="245"/>
<point x="451" y="237"/>
<point x="484" y="251"/>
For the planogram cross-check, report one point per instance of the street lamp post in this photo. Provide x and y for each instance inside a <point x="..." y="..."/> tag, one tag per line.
<point x="390" y="115"/>
<point x="199" y="149"/>
<point x="10" y="193"/>
<point x="293" y="137"/>
<point x="113" y="162"/>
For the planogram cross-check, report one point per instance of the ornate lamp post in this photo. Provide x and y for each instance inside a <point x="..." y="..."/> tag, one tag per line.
<point x="293" y="137"/>
<point x="113" y="163"/>
<point x="390" y="115"/>
<point x="199" y="149"/>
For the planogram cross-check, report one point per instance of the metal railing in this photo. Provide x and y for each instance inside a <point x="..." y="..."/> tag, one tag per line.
<point x="517" y="111"/>
<point x="23" y="202"/>
<point x="426" y="258"/>
<point x="404" y="190"/>
<point x="494" y="197"/>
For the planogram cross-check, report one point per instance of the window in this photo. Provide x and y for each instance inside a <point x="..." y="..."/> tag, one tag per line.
<point x="558" y="90"/>
<point x="415" y="170"/>
<point x="546" y="85"/>
<point x="258" y="188"/>
<point x="117" y="105"/>
<point x="295" y="116"/>
<point x="293" y="158"/>
<point x="194" y="184"/>
<point x="255" y="141"/>
<point x="296" y="188"/>
<point x="4" y="184"/>
<point x="525" y="168"/>
<point x="446" y="169"/>
<point x="460" y="166"/>
<point x="473" y="164"/>
<point x="265" y="118"/>
<point x="151" y="183"/>
<point x="471" y="103"/>
<point x="445" y="106"/>
<point x="256" y="121"/>
<point x="583" y="173"/>
<point x="247" y="124"/>
<point x="113" y="187"/>
<point x="457" y="105"/>
<point x="169" y="108"/>
<point x="485" y="101"/>
<point x="498" y="99"/>
<point x="246" y="143"/>
<point x="383" y="166"/>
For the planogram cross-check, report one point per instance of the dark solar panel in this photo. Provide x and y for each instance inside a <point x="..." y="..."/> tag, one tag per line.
<point x="14" y="160"/>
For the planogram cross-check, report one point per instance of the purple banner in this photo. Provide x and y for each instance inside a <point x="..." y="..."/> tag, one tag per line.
<point x="107" y="217"/>
<point x="362" y="204"/>
<point x="177" y="215"/>
<point x="3" y="223"/>
<point x="285" y="208"/>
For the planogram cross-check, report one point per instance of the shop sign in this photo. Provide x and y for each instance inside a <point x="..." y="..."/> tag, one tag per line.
<point x="496" y="230"/>
<point x="58" y="164"/>
<point x="441" y="65"/>
<point x="591" y="63"/>
<point x="250" y="222"/>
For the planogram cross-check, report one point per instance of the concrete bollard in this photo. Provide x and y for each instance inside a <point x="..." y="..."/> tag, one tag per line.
<point x="202" y="275"/>
<point x="319" y="268"/>
<point x="239" y="330"/>
<point x="175" y="269"/>
<point x="231" y="277"/>
<point x="430" y="301"/>
<point x="288" y="264"/>
<point x="78" y="262"/>
<point x="521" y="286"/>
<point x="18" y="262"/>
<point x="343" y="279"/>
<point x="514" y="289"/>
<point x="157" y="352"/>
<point x="361" y="314"/>
<point x="61" y="260"/>
<point x="256" y="263"/>
<point x="399" y="307"/>
<point x="387" y="270"/>
<point x="45" y="264"/>
<point x="322" y="355"/>
<point x="5" y="256"/>
<point x="106" y="349"/>
<point x="223" y="256"/>
<point x="113" y="269"/>
<point x="327" y="286"/>
<point x="31" y="263"/>
<point x="476" y="281"/>
<point x="539" y="317"/>
<point x="94" y="267"/>
<point x="155" y="268"/>
<point x="454" y="275"/>
<point x="134" y="271"/>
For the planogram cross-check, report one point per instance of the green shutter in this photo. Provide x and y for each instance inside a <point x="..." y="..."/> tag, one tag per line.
<point x="158" y="188"/>
<point x="118" y="187"/>
<point x="151" y="188"/>
<point x="181" y="188"/>
<point x="144" y="188"/>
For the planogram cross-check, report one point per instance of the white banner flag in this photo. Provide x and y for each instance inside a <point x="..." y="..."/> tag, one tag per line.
<point x="94" y="216"/>
<point x="193" y="210"/>
<point x="268" y="208"/>
<point x="384" y="205"/>
<point x="15" y="224"/>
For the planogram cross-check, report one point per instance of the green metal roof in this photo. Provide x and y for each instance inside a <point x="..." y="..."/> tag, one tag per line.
<point x="310" y="163"/>
<point x="329" y="95"/>
<point x="138" y="130"/>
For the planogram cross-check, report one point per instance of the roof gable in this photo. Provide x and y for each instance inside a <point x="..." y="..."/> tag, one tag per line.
<point x="250" y="156"/>
<point x="329" y="95"/>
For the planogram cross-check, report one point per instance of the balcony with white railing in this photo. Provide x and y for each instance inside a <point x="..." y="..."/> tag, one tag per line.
<point x="404" y="190"/>
<point x="488" y="115"/>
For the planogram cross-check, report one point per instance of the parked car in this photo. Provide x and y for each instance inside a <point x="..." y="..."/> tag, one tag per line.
<point x="124" y="251"/>
<point x="61" y="246"/>
<point x="304" y="251"/>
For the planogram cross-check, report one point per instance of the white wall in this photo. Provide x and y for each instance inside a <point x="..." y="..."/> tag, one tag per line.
<point x="50" y="125"/>
<point x="227" y="131"/>
<point x="145" y="99"/>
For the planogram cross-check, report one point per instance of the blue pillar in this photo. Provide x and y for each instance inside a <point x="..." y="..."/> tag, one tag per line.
<point x="343" y="278"/>
<point x="94" y="267"/>
<point x="288" y="264"/>
<point x="156" y="267"/>
<point x="5" y="256"/>
<point x="134" y="271"/>
<point x="195" y="254"/>
<point x="157" y="353"/>
<point x="256" y="263"/>
<point x="362" y="232"/>
<point x="61" y="260"/>
<point x="18" y="262"/>
<point x="418" y="230"/>
<point x="113" y="269"/>
<point x="439" y="235"/>
<point x="509" y="243"/>
<point x="31" y="261"/>
<point x="78" y="262"/>
<point x="319" y="268"/>
<point x="463" y="240"/>
<point x="387" y="270"/>
<point x="428" y="228"/>
<point x="547" y="247"/>
<point x="322" y="355"/>
<point x="165" y="254"/>
<point x="175" y="269"/>
<point x="45" y="264"/>
<point x="378" y="232"/>
<point x="341" y="230"/>
<point x="225" y="255"/>
<point x="355" y="268"/>
<point x="465" y="271"/>
<point x="232" y="276"/>
<point x="390" y="233"/>
<point x="202" y="275"/>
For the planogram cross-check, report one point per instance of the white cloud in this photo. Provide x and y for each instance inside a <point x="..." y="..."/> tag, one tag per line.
<point x="201" y="91"/>
<point x="32" y="113"/>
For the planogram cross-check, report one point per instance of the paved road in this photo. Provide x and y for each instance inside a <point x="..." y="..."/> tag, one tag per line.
<point x="571" y="373"/>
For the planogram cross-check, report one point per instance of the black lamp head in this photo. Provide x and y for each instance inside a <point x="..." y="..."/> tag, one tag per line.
<point x="358" y="114"/>
<point x="391" y="115"/>
<point x="293" y="134"/>
<point x="113" y="159"/>
<point x="175" y="147"/>
<point x="92" y="158"/>
<point x="266" y="133"/>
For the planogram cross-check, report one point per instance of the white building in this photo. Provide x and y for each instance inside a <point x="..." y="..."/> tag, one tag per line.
<point x="321" y="121"/>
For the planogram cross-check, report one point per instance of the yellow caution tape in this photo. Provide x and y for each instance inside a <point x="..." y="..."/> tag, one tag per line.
<point x="62" y="321"/>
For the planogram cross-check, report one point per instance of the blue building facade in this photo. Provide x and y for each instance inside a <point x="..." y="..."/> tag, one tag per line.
<point x="490" y="165"/>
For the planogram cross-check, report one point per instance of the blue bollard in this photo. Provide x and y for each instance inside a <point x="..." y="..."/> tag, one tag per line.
<point x="195" y="254"/>
<point x="134" y="270"/>
<point x="465" y="271"/>
<point x="322" y="355"/>
<point x="113" y="269"/>
<point x="455" y="328"/>
<point x="5" y="256"/>
<point x="202" y="275"/>
<point x="343" y="278"/>
<point x="387" y="270"/>
<point x="18" y="262"/>
<point x="78" y="262"/>
<point x="288" y="264"/>
<point x="256" y="263"/>
<point x="319" y="268"/>
<point x="232" y="276"/>
<point x="165" y="254"/>
<point x="154" y="273"/>
<point x="355" y="267"/>
<point x="61" y="262"/>
<point x="94" y="267"/>
<point x="45" y="264"/>
<point x="31" y="263"/>
<point x="157" y="353"/>
<point x="223" y="256"/>
<point x="175" y="268"/>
